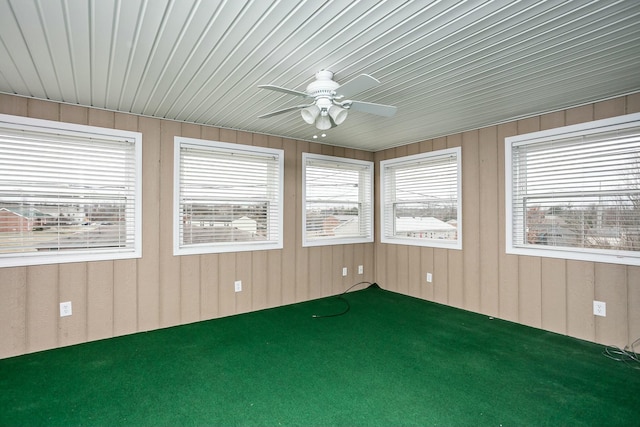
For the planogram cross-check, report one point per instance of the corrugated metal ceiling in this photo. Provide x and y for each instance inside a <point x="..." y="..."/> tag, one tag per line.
<point x="448" y="66"/>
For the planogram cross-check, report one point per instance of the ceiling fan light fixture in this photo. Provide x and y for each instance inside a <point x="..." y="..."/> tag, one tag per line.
<point x="323" y="122"/>
<point x="338" y="114"/>
<point x="310" y="114"/>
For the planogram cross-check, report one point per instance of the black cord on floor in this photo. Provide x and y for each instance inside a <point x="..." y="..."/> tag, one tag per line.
<point x="341" y="297"/>
<point x="627" y="355"/>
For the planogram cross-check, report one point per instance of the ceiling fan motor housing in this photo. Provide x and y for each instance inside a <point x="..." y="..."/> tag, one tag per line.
<point x="323" y="86"/>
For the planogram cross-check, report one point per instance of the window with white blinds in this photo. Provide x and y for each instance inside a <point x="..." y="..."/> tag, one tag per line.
<point x="68" y="193"/>
<point x="574" y="192"/>
<point x="421" y="200"/>
<point x="337" y="200"/>
<point x="227" y="197"/>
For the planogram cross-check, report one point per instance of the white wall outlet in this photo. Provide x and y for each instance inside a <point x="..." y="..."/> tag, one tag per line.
<point x="600" y="308"/>
<point x="429" y="277"/>
<point x="344" y="271"/>
<point x="238" y="285"/>
<point x="360" y="269"/>
<point x="65" y="309"/>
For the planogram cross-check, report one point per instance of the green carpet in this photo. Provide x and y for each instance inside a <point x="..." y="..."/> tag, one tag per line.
<point x="392" y="360"/>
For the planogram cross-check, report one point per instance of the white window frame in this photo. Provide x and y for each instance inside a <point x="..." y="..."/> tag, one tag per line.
<point x="563" y="252"/>
<point x="133" y="214"/>
<point x="388" y="200"/>
<point x="275" y="224"/>
<point x="364" y="198"/>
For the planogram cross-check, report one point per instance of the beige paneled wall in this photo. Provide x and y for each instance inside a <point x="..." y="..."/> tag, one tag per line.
<point x="552" y="294"/>
<point x="112" y="298"/>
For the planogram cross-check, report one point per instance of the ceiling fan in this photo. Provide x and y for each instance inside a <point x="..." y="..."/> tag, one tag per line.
<point x="331" y="101"/>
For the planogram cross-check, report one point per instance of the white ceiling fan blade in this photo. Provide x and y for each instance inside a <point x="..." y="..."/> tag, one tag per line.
<point x="284" y="110"/>
<point x="284" y="90"/>
<point x="371" y="108"/>
<point x="359" y="84"/>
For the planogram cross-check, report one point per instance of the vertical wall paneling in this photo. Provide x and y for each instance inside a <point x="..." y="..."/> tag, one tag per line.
<point x="244" y="274"/>
<point x="611" y="287"/>
<point x="13" y="105"/>
<point x="73" y="288"/>
<point x="632" y="103"/>
<point x="13" y="311"/>
<point x="42" y="305"/>
<point x="391" y="267"/>
<point x="368" y="263"/>
<point x="326" y="271"/>
<point x="552" y="120"/>
<point x="290" y="208"/>
<point x="580" y="295"/>
<point x="226" y="288"/>
<point x="209" y="280"/>
<point x="40" y="109"/>
<point x="100" y="300"/>
<point x="426" y="266"/>
<point x="609" y="108"/>
<point x="633" y="302"/>
<point x="488" y="221"/>
<point x="75" y="114"/>
<point x="148" y="267"/>
<point x="401" y="262"/>
<point x="440" y="276"/>
<point x="348" y="261"/>
<point x="581" y="114"/>
<point x="553" y="295"/>
<point x="259" y="280"/>
<point x="337" y="263"/>
<point x="315" y="267"/>
<point x="190" y="296"/>
<point x="471" y="216"/>
<point x="414" y="277"/>
<point x="125" y="298"/>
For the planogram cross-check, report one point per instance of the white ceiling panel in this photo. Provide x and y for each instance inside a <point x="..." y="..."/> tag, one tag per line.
<point x="448" y="66"/>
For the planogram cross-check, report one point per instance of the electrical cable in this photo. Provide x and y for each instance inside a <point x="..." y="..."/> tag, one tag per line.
<point x="627" y="355"/>
<point x="341" y="297"/>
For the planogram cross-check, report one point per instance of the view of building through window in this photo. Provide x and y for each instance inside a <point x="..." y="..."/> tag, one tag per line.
<point x="72" y="191"/>
<point x="576" y="189"/>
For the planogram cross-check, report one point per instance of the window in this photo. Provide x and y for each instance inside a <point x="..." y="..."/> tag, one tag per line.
<point x="227" y="197"/>
<point x="420" y="199"/>
<point x="574" y="192"/>
<point x="68" y="193"/>
<point x="337" y="200"/>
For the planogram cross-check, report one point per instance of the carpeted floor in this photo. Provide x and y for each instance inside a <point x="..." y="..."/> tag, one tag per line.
<point x="390" y="360"/>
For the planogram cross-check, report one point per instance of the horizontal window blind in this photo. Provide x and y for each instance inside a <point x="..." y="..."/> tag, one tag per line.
<point x="228" y="196"/>
<point x="66" y="193"/>
<point x="421" y="198"/>
<point x="338" y="202"/>
<point x="578" y="191"/>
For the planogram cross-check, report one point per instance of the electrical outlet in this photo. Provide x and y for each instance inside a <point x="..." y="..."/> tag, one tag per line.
<point x="65" y="309"/>
<point x="344" y="271"/>
<point x="238" y="285"/>
<point x="429" y="277"/>
<point x="360" y="269"/>
<point x="600" y="308"/>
